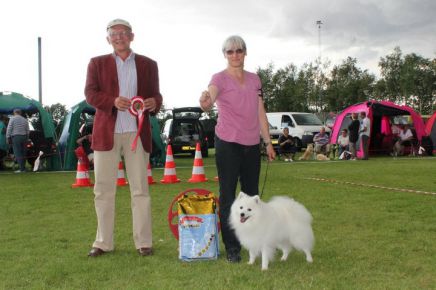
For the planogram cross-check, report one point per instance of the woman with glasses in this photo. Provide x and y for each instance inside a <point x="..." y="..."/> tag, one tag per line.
<point x="241" y="117"/>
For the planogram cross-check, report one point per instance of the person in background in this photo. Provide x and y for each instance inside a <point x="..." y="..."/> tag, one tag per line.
<point x="84" y="151"/>
<point x="365" y="133"/>
<point x="405" y="138"/>
<point x="241" y="116"/>
<point x="287" y="145"/>
<point x="321" y="141"/>
<point x="353" y="129"/>
<point x="17" y="134"/>
<point x="343" y="142"/>
<point x="112" y="81"/>
<point x="3" y="143"/>
<point x="395" y="130"/>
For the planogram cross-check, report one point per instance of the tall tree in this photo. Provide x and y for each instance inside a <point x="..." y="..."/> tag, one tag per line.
<point x="266" y="77"/>
<point x="348" y="85"/>
<point x="418" y="82"/>
<point x="390" y="70"/>
<point x="58" y="113"/>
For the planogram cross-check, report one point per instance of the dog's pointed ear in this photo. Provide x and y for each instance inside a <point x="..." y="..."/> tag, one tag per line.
<point x="241" y="195"/>
<point x="256" y="198"/>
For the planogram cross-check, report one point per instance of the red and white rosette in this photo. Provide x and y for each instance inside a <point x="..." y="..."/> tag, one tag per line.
<point x="137" y="109"/>
<point x="136" y="106"/>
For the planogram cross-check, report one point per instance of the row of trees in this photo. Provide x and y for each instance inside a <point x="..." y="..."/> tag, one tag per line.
<point x="405" y="79"/>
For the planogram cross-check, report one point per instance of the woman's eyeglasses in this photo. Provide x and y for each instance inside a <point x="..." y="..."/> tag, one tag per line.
<point x="231" y="52"/>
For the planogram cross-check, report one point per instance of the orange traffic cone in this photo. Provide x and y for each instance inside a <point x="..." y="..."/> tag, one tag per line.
<point x="198" y="169"/>
<point x="82" y="176"/>
<point x="170" y="168"/>
<point x="150" y="176"/>
<point x="121" y="180"/>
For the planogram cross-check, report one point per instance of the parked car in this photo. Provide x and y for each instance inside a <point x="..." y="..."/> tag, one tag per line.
<point x="184" y="130"/>
<point x="275" y="135"/>
<point x="302" y="126"/>
<point x="209" y="130"/>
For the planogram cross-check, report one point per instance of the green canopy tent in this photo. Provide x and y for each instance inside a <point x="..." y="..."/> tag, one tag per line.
<point x="82" y="115"/>
<point x="79" y="115"/>
<point x="43" y="121"/>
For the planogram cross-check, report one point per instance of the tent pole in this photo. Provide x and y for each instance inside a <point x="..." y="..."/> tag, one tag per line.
<point x="39" y="71"/>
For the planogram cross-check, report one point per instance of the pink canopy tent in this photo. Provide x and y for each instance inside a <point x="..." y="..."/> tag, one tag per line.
<point x="430" y="128"/>
<point x="379" y="113"/>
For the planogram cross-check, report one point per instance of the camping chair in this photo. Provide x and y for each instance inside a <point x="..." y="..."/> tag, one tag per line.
<point x="411" y="147"/>
<point x="325" y="149"/>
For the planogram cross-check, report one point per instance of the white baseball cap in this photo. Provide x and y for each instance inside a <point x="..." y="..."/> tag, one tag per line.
<point x="118" y="22"/>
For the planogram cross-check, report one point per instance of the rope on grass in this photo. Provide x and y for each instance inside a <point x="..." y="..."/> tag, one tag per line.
<point x="372" y="186"/>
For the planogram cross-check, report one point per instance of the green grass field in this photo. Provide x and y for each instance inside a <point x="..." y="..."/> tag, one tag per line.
<point x="371" y="233"/>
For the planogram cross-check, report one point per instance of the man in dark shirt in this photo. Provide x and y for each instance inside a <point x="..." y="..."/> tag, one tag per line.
<point x="287" y="145"/>
<point x="353" y="129"/>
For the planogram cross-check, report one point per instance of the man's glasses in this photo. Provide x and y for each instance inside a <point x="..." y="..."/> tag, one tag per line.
<point x="231" y="52"/>
<point x="120" y="34"/>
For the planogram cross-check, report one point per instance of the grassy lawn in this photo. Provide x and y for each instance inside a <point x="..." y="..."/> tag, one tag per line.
<point x="366" y="237"/>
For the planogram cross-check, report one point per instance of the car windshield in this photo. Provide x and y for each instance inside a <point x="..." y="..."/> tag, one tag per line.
<point x="187" y="115"/>
<point x="307" y="119"/>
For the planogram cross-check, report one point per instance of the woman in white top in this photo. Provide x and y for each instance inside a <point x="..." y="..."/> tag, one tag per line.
<point x="404" y="138"/>
<point x="343" y="142"/>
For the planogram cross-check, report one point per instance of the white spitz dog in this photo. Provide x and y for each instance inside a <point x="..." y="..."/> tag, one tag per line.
<point x="281" y="223"/>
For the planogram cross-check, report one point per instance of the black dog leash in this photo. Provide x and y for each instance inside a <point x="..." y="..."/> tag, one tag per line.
<point x="264" y="180"/>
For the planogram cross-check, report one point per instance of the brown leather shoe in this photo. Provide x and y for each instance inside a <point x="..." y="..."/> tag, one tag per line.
<point x="145" y="251"/>
<point x="95" y="252"/>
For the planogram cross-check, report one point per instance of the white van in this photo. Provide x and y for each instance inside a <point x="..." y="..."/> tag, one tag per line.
<point x="302" y="126"/>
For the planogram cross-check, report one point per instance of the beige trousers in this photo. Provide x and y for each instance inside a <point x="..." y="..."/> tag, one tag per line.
<point x="105" y="170"/>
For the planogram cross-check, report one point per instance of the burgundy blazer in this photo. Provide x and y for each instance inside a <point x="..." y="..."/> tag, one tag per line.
<point x="102" y="88"/>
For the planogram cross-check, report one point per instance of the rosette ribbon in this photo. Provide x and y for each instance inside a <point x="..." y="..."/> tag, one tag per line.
<point x="137" y="109"/>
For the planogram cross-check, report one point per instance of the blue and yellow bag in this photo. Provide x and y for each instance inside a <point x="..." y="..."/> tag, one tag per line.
<point x="198" y="229"/>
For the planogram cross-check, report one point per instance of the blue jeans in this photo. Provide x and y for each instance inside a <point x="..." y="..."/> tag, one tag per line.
<point x="235" y="162"/>
<point x="19" y="147"/>
<point x="342" y="149"/>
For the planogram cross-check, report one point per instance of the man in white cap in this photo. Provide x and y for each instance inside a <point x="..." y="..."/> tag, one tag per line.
<point x="113" y="80"/>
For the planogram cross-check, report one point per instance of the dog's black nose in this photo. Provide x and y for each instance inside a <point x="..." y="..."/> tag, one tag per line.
<point x="242" y="214"/>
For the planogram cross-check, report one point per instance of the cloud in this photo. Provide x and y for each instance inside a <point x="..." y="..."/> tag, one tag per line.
<point x="185" y="38"/>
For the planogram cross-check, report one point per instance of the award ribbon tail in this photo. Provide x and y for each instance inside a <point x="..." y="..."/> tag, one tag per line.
<point x="140" y="121"/>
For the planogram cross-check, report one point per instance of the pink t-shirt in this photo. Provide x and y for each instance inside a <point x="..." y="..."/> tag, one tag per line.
<point x="238" y="108"/>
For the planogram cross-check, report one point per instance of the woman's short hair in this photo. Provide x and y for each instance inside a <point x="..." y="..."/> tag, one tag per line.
<point x="234" y="42"/>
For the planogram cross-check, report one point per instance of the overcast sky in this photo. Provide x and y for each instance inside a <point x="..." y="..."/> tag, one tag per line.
<point x="185" y="38"/>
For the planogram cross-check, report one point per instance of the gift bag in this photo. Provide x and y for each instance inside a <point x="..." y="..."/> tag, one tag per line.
<point x="197" y="225"/>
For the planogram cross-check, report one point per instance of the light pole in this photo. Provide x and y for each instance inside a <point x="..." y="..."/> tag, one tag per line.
<point x="319" y="23"/>
<point x="39" y="71"/>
